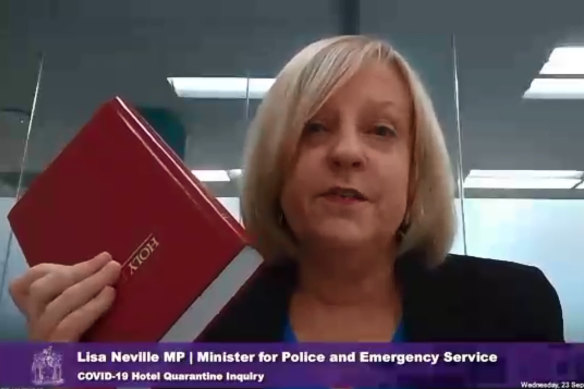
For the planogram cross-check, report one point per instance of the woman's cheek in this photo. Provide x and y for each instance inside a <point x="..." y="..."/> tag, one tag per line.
<point x="395" y="196"/>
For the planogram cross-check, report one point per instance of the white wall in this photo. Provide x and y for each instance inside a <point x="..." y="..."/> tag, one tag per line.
<point x="232" y="205"/>
<point x="545" y="233"/>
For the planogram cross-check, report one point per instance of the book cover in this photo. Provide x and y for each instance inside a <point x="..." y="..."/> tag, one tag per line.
<point x="118" y="187"/>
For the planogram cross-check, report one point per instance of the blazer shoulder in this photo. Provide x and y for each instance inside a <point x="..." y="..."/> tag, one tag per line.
<point x="476" y="269"/>
<point x="516" y="292"/>
<point x="499" y="279"/>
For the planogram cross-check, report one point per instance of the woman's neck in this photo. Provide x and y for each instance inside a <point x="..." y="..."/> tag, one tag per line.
<point x="348" y="276"/>
<point x="346" y="295"/>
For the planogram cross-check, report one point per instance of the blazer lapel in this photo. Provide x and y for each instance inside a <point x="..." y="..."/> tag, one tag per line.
<point x="433" y="308"/>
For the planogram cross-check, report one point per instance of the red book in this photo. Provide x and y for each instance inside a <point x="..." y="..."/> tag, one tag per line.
<point x="118" y="187"/>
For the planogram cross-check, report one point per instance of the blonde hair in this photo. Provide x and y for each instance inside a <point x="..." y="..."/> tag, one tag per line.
<point x="300" y="89"/>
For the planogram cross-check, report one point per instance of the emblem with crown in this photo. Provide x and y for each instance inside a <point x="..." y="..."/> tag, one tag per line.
<point x="46" y="367"/>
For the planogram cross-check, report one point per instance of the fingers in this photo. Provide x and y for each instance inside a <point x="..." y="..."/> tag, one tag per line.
<point x="43" y="290"/>
<point x="83" y="270"/>
<point x="19" y="287"/>
<point x="78" y="295"/>
<point x="61" y="302"/>
<point x="42" y="283"/>
<point x="79" y="321"/>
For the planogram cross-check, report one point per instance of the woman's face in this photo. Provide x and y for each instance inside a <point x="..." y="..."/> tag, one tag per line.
<point x="349" y="183"/>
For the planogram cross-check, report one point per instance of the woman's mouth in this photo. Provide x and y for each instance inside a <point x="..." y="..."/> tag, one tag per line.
<point x="344" y="195"/>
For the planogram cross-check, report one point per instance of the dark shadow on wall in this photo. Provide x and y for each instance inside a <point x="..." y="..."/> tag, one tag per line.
<point x="168" y="125"/>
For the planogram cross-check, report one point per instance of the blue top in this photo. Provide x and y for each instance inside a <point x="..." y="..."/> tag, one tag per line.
<point x="398" y="337"/>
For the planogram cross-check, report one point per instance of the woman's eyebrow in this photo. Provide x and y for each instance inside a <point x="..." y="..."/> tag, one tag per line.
<point x="383" y="104"/>
<point x="391" y="106"/>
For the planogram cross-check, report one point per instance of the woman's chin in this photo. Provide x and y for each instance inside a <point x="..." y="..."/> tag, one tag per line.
<point x="348" y="236"/>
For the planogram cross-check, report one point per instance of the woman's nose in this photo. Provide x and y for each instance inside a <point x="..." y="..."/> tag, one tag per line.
<point x="346" y="151"/>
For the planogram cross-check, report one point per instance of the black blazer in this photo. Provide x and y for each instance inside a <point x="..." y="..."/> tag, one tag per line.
<point x="463" y="299"/>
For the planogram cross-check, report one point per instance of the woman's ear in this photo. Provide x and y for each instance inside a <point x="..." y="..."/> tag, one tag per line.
<point x="404" y="226"/>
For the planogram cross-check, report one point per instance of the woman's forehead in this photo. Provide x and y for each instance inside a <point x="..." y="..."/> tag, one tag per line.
<point x="375" y="86"/>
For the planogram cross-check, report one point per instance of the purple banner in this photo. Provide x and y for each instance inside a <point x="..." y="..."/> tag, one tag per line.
<point x="272" y="365"/>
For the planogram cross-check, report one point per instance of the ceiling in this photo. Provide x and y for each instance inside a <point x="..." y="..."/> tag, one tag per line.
<point x="93" y="50"/>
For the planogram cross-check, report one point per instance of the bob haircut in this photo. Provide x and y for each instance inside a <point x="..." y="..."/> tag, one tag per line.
<point x="300" y="89"/>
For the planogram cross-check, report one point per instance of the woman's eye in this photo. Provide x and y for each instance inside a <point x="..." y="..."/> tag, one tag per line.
<point x="383" y="130"/>
<point x="314" y="127"/>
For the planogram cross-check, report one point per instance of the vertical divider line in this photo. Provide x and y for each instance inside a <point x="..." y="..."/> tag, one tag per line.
<point x="459" y="134"/>
<point x="246" y="112"/>
<point x="3" y="275"/>
<point x="349" y="17"/>
<point x="247" y="124"/>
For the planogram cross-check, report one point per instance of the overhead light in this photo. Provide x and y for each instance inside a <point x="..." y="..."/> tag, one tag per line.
<point x="502" y="183"/>
<point x="553" y="81"/>
<point x="526" y="173"/>
<point x="556" y="88"/>
<point x="234" y="173"/>
<point x="523" y="179"/>
<point x="565" y="61"/>
<point x="581" y="186"/>
<point x="554" y="68"/>
<point x="220" y="87"/>
<point x="211" y="175"/>
<point x="258" y="87"/>
<point x="217" y="175"/>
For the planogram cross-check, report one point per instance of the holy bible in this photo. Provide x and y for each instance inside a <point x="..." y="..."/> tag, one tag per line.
<point x="118" y="187"/>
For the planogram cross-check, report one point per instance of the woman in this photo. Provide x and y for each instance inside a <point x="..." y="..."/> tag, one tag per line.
<point x="348" y="194"/>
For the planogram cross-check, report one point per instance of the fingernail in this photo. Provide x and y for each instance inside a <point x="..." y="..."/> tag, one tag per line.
<point x="105" y="254"/>
<point x="114" y="264"/>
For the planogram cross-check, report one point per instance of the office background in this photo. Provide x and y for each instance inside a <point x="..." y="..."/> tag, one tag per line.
<point x="59" y="59"/>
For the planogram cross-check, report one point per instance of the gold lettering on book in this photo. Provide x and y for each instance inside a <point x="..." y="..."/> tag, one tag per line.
<point x="141" y="255"/>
